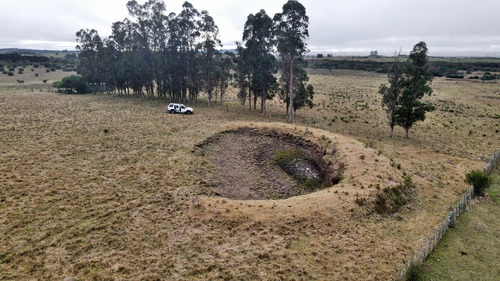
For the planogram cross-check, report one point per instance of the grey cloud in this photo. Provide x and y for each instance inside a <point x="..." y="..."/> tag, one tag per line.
<point x="343" y="26"/>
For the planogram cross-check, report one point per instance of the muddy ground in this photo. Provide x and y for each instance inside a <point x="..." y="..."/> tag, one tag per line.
<point x="243" y="165"/>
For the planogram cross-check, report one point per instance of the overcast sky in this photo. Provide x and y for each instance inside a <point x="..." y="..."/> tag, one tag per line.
<point x="339" y="27"/>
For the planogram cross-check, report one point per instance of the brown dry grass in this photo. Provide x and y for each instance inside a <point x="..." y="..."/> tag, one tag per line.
<point x="78" y="202"/>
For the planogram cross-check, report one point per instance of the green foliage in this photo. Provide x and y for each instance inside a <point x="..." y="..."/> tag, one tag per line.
<point x="414" y="273"/>
<point x="479" y="180"/>
<point x="392" y="199"/>
<point x="284" y="157"/>
<point x="391" y="95"/>
<point x="44" y="81"/>
<point x="408" y="84"/>
<point x="488" y="76"/>
<point x="260" y="63"/>
<point x="162" y="54"/>
<point x="20" y="81"/>
<point x="304" y="95"/>
<point x="10" y="73"/>
<point x="291" y="31"/>
<point x="72" y="83"/>
<point x="437" y="68"/>
<point x="455" y="76"/>
<point x="294" y="162"/>
<point x="416" y="85"/>
<point x="210" y="56"/>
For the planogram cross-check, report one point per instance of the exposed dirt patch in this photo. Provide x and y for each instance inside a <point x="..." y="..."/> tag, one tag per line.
<point x="265" y="164"/>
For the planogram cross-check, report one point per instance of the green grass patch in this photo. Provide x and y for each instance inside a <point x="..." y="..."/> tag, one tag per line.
<point x="470" y="250"/>
<point x="284" y="157"/>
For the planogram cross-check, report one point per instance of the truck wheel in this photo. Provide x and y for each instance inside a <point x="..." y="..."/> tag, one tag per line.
<point x="189" y="112"/>
<point x="172" y="111"/>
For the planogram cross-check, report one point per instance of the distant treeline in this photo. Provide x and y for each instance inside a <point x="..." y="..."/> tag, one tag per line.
<point x="438" y="68"/>
<point x="15" y="57"/>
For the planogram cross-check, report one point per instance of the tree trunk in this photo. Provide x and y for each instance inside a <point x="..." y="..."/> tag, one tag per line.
<point x="263" y="104"/>
<point x="249" y="101"/>
<point x="290" y="94"/>
<point x="392" y="131"/>
<point x="407" y="131"/>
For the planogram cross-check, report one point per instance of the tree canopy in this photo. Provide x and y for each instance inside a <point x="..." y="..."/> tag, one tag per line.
<point x="155" y="54"/>
<point x="403" y="98"/>
<point x="291" y="33"/>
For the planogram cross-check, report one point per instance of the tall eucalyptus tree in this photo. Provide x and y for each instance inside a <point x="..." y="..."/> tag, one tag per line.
<point x="258" y="38"/>
<point x="291" y="27"/>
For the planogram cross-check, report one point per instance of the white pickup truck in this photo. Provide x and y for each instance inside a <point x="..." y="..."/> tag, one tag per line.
<point x="179" y="108"/>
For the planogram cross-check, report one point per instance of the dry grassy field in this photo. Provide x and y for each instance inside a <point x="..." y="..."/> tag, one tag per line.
<point x="97" y="187"/>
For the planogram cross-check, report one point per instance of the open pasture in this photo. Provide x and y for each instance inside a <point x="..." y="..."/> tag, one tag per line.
<point x="106" y="188"/>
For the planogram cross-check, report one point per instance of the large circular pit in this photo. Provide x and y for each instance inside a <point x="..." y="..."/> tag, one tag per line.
<point x="250" y="164"/>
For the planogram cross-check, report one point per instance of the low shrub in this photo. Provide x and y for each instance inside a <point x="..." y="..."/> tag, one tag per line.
<point x="479" y="180"/>
<point x="414" y="273"/>
<point x="10" y="73"/>
<point x="391" y="199"/>
<point x="20" y="81"/>
<point x="455" y="76"/>
<point x="488" y="76"/>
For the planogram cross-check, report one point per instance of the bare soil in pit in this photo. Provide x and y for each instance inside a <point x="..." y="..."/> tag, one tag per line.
<point x="244" y="165"/>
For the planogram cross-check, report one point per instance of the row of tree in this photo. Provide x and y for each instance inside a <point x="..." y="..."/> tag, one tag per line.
<point x="409" y="82"/>
<point x="16" y="57"/>
<point x="437" y="68"/>
<point x="154" y="54"/>
<point x="160" y="55"/>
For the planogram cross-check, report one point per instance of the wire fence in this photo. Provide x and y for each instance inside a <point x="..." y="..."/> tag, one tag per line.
<point x="456" y="210"/>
